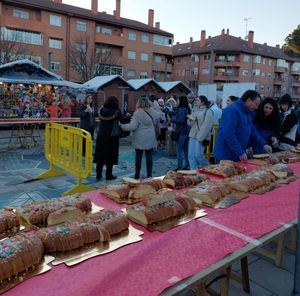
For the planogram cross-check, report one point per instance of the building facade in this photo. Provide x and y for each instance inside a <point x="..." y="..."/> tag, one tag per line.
<point x="53" y="33"/>
<point x="225" y="58"/>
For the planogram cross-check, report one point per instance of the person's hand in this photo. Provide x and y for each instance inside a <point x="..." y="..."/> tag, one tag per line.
<point x="275" y="142"/>
<point x="243" y="157"/>
<point x="268" y="149"/>
<point x="191" y="117"/>
<point x="249" y="152"/>
<point x="128" y="115"/>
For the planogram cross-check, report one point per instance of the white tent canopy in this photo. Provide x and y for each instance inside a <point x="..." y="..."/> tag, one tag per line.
<point x="100" y="81"/>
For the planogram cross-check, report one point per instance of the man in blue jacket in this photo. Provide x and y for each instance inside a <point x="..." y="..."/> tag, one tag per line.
<point x="236" y="129"/>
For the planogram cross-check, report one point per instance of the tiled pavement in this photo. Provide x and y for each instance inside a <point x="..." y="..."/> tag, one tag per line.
<point x="19" y="165"/>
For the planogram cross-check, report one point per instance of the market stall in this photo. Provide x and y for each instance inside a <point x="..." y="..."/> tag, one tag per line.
<point x="168" y="259"/>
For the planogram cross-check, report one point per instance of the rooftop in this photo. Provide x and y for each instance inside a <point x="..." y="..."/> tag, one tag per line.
<point x="74" y="11"/>
<point x="225" y="43"/>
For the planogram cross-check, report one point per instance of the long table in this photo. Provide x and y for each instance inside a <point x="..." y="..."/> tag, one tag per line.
<point x="177" y="258"/>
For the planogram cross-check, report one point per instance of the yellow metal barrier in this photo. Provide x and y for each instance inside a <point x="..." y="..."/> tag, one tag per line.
<point x="64" y="149"/>
<point x="209" y="151"/>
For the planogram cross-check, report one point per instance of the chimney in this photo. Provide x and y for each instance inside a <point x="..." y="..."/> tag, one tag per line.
<point x="277" y="46"/>
<point x="157" y="25"/>
<point x="177" y="42"/>
<point x="118" y="10"/>
<point x="250" y="39"/>
<point x="191" y="40"/>
<point x="265" y="43"/>
<point x="57" y="1"/>
<point x="150" y="17"/>
<point x="223" y="32"/>
<point x="202" y="39"/>
<point x="227" y="31"/>
<point x="94" y="7"/>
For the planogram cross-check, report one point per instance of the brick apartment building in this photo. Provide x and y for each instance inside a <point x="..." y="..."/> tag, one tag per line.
<point x="51" y="29"/>
<point x="225" y="58"/>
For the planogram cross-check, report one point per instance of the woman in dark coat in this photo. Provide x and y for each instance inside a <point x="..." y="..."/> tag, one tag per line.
<point x="107" y="144"/>
<point x="87" y="118"/>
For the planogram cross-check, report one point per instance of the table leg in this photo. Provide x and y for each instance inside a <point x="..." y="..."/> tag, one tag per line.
<point x="245" y="274"/>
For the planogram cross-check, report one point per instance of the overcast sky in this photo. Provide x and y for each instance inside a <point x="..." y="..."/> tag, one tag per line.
<point x="271" y="21"/>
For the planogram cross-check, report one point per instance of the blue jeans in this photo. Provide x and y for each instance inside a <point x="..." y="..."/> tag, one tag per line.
<point x="196" y="156"/>
<point x="182" y="149"/>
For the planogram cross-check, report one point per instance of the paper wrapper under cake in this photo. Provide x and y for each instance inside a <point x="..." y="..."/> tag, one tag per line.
<point x="21" y="277"/>
<point x="74" y="257"/>
<point x="172" y="222"/>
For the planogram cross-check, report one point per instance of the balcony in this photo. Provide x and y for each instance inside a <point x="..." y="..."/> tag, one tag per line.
<point x="280" y="69"/>
<point x="165" y="50"/>
<point x="222" y="64"/>
<point x="226" y="77"/>
<point x="110" y="39"/>
<point x="21" y="24"/>
<point x="162" y="67"/>
<point x="296" y="82"/>
<point x="278" y="81"/>
<point x="295" y="71"/>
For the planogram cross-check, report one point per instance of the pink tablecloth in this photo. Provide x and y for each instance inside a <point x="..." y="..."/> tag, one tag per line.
<point x="161" y="259"/>
<point x="145" y="268"/>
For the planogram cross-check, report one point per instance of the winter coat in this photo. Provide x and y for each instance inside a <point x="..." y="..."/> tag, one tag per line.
<point x="142" y="128"/>
<point x="202" y="125"/>
<point x="87" y="119"/>
<point x="265" y="134"/>
<point x="107" y="147"/>
<point x="181" y="121"/>
<point x="288" y="130"/>
<point x="235" y="132"/>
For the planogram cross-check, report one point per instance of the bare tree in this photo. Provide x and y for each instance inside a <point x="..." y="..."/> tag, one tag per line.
<point x="11" y="49"/>
<point x="90" y="61"/>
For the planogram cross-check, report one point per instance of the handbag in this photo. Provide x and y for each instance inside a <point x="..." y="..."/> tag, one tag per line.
<point x="175" y="135"/>
<point x="116" y="130"/>
<point x="205" y="143"/>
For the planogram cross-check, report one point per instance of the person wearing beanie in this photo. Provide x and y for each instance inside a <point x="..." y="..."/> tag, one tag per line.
<point x="288" y="123"/>
<point x="142" y="126"/>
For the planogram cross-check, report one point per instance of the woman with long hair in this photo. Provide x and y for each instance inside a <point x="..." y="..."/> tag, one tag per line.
<point x="87" y="116"/>
<point x="182" y="128"/>
<point x="142" y="126"/>
<point x="201" y="122"/>
<point x="107" y="144"/>
<point x="267" y="121"/>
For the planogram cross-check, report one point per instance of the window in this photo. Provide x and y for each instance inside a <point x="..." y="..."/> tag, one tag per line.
<point x="231" y="58"/>
<point x="36" y="59"/>
<point x="264" y="61"/>
<point x="22" y="36"/>
<point x="245" y="72"/>
<point x="221" y="58"/>
<point x="55" y="66"/>
<point x="263" y="74"/>
<point x="205" y="71"/>
<point x="55" y="43"/>
<point x="145" y="38"/>
<point x="269" y="75"/>
<point x="55" y="20"/>
<point x="206" y="57"/>
<point x="257" y="60"/>
<point x="262" y="87"/>
<point x="179" y="60"/>
<point x="80" y="47"/>
<point x="132" y="36"/>
<point x="143" y="75"/>
<point x="103" y="30"/>
<point x="282" y="63"/>
<point x="270" y="63"/>
<point x="131" y="74"/>
<point x="158" y="59"/>
<point x="194" y="71"/>
<point x="144" y="57"/>
<point x="104" y="49"/>
<point x="112" y="70"/>
<point x="194" y="58"/>
<point x="131" y="55"/>
<point x="246" y="58"/>
<point x="81" y="26"/>
<point x="21" y="14"/>
<point x="256" y="72"/>
<point x="162" y="40"/>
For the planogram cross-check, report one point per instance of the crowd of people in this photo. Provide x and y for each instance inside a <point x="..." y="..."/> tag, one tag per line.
<point x="246" y="126"/>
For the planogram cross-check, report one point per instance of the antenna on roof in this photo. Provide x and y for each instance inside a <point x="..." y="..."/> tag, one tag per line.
<point x="246" y="19"/>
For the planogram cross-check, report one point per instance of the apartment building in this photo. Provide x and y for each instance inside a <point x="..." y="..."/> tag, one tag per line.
<point x="225" y="58"/>
<point x="50" y="30"/>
